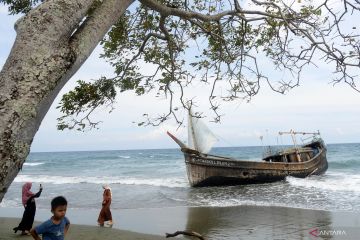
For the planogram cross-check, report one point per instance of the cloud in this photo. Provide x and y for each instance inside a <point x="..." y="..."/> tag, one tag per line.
<point x="316" y="104"/>
<point x="160" y="132"/>
<point x="3" y="9"/>
<point x="339" y="131"/>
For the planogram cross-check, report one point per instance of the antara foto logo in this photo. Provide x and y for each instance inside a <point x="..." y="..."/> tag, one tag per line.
<point x="317" y="233"/>
<point x="314" y="232"/>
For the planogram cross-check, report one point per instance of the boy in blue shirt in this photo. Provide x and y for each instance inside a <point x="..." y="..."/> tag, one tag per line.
<point x="57" y="226"/>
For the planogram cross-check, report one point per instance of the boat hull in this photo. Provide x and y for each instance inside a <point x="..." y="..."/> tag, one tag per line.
<point x="203" y="170"/>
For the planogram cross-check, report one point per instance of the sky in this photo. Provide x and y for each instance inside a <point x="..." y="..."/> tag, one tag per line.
<point x="315" y="105"/>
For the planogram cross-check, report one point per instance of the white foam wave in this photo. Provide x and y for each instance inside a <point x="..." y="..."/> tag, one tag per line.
<point x="233" y="202"/>
<point x="7" y="203"/>
<point x="34" y="164"/>
<point x="338" y="183"/>
<point x="242" y="202"/>
<point x="237" y="202"/>
<point x="158" y="182"/>
<point x="125" y="157"/>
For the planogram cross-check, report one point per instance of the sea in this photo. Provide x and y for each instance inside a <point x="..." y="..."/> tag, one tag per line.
<point x="156" y="178"/>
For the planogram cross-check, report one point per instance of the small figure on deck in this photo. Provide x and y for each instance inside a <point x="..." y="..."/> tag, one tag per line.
<point x="28" y="200"/>
<point x="57" y="226"/>
<point x="105" y="216"/>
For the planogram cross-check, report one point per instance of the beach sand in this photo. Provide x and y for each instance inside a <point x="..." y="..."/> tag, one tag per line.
<point x="215" y="223"/>
<point x="78" y="232"/>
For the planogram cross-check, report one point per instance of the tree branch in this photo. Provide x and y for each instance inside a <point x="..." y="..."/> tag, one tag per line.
<point x="168" y="11"/>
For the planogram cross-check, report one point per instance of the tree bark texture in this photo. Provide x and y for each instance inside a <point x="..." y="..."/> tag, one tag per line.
<point x="53" y="41"/>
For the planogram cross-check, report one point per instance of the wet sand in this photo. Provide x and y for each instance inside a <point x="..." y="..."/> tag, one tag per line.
<point x="215" y="223"/>
<point x="78" y="232"/>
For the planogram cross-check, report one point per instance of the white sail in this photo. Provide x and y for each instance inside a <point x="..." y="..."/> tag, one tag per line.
<point x="200" y="138"/>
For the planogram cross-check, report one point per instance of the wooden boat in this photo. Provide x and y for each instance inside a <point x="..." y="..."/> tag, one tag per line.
<point x="211" y="170"/>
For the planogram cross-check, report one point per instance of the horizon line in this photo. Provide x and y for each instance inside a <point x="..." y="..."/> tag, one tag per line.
<point x="168" y="148"/>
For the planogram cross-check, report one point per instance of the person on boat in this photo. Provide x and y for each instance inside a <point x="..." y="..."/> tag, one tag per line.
<point x="28" y="200"/>
<point x="105" y="213"/>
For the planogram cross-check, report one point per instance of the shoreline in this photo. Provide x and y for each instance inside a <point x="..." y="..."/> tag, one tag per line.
<point x="143" y="220"/>
<point x="215" y="223"/>
<point x="77" y="232"/>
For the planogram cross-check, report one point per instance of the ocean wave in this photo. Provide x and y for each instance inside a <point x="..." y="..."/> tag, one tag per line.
<point x="332" y="182"/>
<point x="234" y="202"/>
<point x="10" y="203"/>
<point x="126" y="157"/>
<point x="99" y="157"/>
<point x="246" y="202"/>
<point x="237" y="202"/>
<point x="158" y="182"/>
<point x="345" y="164"/>
<point x="34" y="164"/>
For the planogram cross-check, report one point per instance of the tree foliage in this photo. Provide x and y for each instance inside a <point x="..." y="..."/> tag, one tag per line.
<point x="85" y="96"/>
<point x="217" y="42"/>
<point x="20" y="6"/>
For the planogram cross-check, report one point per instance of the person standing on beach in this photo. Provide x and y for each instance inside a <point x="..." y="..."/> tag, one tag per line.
<point x="57" y="226"/>
<point x="105" y="213"/>
<point x="28" y="200"/>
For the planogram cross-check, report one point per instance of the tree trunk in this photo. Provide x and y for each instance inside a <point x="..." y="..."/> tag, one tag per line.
<point x="52" y="43"/>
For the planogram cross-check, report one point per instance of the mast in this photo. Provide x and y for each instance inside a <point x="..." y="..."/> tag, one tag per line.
<point x="192" y="131"/>
<point x="200" y="136"/>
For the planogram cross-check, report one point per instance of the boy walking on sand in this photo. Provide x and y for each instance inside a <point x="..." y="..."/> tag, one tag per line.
<point x="57" y="226"/>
